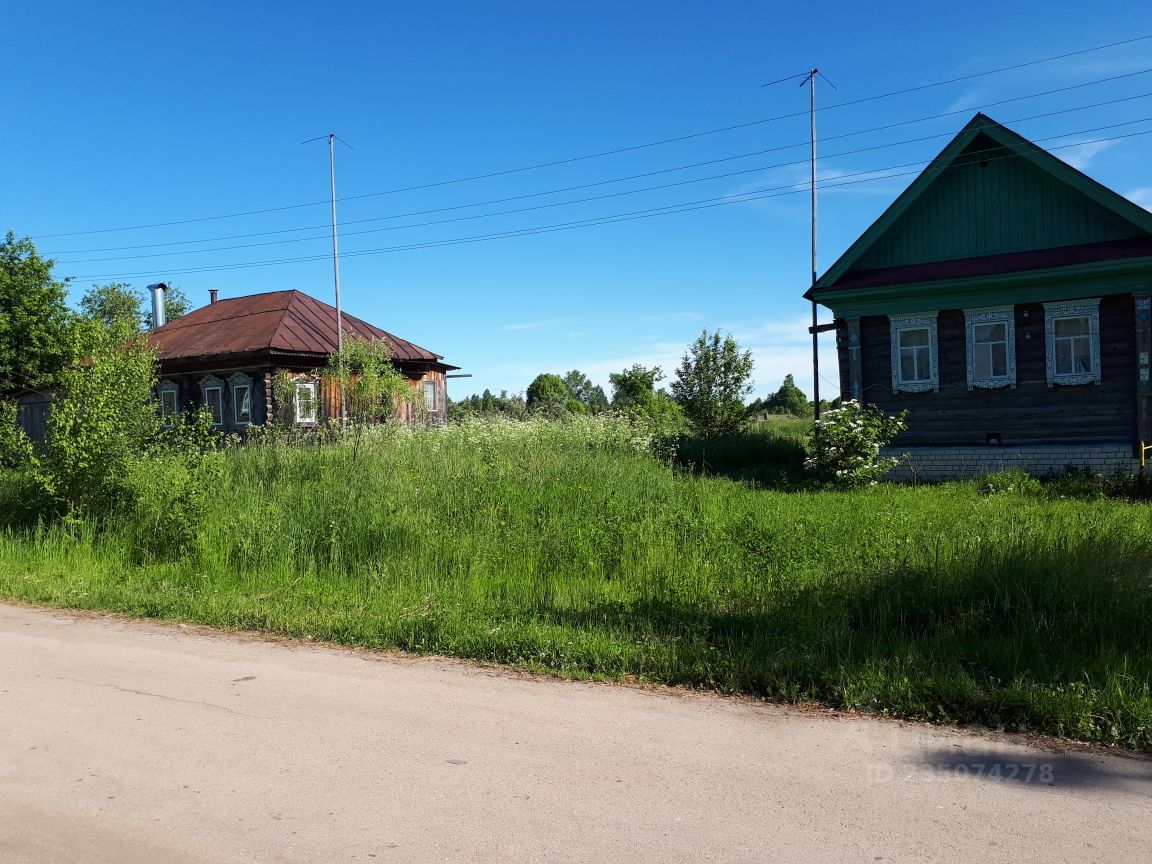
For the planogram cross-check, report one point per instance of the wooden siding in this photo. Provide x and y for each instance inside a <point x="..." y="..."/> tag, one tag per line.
<point x="990" y="202"/>
<point x="1032" y="412"/>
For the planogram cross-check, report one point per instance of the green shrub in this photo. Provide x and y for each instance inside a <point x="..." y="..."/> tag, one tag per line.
<point x="844" y="448"/>
<point x="1011" y="480"/>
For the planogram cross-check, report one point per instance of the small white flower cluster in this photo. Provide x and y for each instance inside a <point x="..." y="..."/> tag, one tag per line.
<point x="844" y="449"/>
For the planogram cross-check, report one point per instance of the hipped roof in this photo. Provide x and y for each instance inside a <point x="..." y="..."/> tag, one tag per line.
<point x="286" y="322"/>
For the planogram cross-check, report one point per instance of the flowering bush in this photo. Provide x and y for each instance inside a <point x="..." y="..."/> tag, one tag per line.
<point x="844" y="447"/>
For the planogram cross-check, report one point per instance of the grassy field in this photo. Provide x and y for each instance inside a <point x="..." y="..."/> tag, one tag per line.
<point x="569" y="549"/>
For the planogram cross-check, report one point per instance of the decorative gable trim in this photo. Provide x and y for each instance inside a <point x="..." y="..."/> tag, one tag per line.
<point x="1019" y="146"/>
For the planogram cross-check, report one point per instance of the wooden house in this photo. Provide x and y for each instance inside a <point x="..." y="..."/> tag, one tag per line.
<point x="228" y="356"/>
<point x="1003" y="300"/>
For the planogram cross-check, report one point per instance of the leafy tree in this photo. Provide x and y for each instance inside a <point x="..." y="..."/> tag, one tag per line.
<point x="116" y="306"/>
<point x="634" y="393"/>
<point x="35" y="322"/>
<point x="789" y="399"/>
<point x="548" y="393"/>
<point x="117" y="303"/>
<point x="711" y="382"/>
<point x="580" y="387"/>
<point x="635" y="387"/>
<point x="373" y="387"/>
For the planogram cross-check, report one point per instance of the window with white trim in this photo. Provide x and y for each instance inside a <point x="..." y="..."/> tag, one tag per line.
<point x="212" y="389"/>
<point x="430" y="395"/>
<point x="1072" y="342"/>
<point x="991" y="347"/>
<point x="914" y="353"/>
<point x="307" y="401"/>
<point x="169" y="403"/>
<point x="241" y="386"/>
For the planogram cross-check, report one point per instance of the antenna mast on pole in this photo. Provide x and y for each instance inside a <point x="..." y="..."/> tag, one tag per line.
<point x="332" y="138"/>
<point x="336" y="274"/>
<point x="810" y="80"/>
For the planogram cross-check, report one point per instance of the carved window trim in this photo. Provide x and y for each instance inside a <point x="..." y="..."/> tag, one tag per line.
<point x="915" y="321"/>
<point x="237" y="383"/>
<point x="208" y="384"/>
<point x="990" y="315"/>
<point x="313" y="389"/>
<point x="168" y="391"/>
<point x="1053" y="312"/>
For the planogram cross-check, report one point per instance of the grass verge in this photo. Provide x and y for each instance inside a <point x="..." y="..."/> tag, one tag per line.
<point x="567" y="549"/>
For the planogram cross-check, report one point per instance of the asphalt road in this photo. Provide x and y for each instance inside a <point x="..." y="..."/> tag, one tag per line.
<point x="141" y="742"/>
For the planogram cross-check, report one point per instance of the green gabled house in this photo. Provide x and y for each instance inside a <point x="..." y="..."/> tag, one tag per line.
<point x="1004" y="301"/>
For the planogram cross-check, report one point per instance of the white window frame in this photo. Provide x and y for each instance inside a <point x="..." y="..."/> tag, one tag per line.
<point x="915" y="321"/>
<point x="430" y="404"/>
<point x="207" y="384"/>
<point x="168" y="388"/>
<point x="313" y="388"/>
<point x="990" y="315"/>
<point x="1054" y="312"/>
<point x="238" y="382"/>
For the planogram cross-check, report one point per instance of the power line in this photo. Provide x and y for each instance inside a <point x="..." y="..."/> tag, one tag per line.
<point x="648" y="173"/>
<point x="793" y="189"/>
<point x="618" y="150"/>
<point x="617" y="194"/>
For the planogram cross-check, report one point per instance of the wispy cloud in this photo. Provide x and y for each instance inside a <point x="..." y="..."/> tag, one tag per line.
<point x="971" y="99"/>
<point x="533" y="325"/>
<point x="1141" y="196"/>
<point x="1080" y="156"/>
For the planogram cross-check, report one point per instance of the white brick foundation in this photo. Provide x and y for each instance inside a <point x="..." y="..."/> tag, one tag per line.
<point x="953" y="463"/>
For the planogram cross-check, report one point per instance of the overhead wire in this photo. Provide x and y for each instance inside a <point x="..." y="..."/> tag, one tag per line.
<point x="616" y="151"/>
<point x="642" y="175"/>
<point x="741" y="198"/>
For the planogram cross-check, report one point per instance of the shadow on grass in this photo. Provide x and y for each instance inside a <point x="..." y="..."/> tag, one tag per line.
<point x="1053" y="640"/>
<point x="762" y="457"/>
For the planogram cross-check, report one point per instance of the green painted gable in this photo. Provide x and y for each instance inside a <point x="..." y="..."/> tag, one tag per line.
<point x="990" y="192"/>
<point x="988" y="202"/>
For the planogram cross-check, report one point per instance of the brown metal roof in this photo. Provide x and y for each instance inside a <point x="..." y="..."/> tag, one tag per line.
<point x="289" y="322"/>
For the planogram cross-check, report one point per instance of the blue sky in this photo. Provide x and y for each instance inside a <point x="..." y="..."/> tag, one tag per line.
<point x="129" y="114"/>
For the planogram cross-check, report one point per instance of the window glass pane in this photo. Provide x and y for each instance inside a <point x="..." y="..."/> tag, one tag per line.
<point x="167" y="403"/>
<point x="430" y="395"/>
<point x="998" y="359"/>
<point x="990" y="333"/>
<point x="214" y="402"/>
<point x="1071" y="326"/>
<point x="914" y="338"/>
<point x="1081" y="354"/>
<point x="981" y="362"/>
<point x="305" y="403"/>
<point x="242" y="403"/>
<point x="1063" y="356"/>
<point x="907" y="365"/>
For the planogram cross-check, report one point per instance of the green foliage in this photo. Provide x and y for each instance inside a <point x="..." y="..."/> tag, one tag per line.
<point x="16" y="451"/>
<point x="1012" y="480"/>
<point x="844" y="448"/>
<point x="35" y="321"/>
<point x="789" y="399"/>
<point x="373" y="388"/>
<point x="769" y="453"/>
<point x="488" y="405"/>
<point x="581" y="388"/>
<point x="547" y="393"/>
<point x="711" y="383"/>
<point x="116" y="306"/>
<point x="634" y="388"/>
<point x="564" y="546"/>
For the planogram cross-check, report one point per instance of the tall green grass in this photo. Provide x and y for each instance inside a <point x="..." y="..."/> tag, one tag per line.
<point x="565" y="547"/>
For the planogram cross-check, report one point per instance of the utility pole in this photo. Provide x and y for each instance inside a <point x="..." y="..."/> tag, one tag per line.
<point x="810" y="80"/>
<point x="331" y="136"/>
